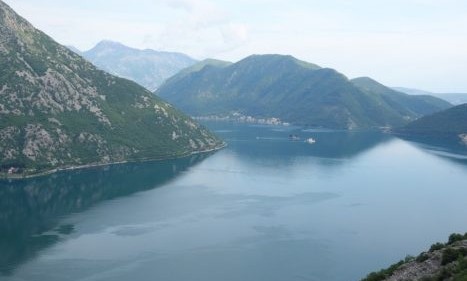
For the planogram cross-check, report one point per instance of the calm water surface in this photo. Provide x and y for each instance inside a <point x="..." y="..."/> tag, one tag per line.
<point x="264" y="208"/>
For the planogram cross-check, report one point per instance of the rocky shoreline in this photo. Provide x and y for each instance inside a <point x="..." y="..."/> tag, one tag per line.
<point x="442" y="262"/>
<point x="14" y="176"/>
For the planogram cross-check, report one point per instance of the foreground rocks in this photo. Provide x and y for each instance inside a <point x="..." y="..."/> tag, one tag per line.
<point x="443" y="262"/>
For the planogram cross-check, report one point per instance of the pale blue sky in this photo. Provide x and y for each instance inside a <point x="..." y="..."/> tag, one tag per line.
<point x="411" y="43"/>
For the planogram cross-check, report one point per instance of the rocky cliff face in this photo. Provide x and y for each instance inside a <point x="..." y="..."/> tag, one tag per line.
<point x="56" y="109"/>
<point x="442" y="262"/>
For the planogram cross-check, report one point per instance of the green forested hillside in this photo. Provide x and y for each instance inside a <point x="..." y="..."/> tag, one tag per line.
<point x="450" y="122"/>
<point x="58" y="110"/>
<point x="404" y="104"/>
<point x="265" y="86"/>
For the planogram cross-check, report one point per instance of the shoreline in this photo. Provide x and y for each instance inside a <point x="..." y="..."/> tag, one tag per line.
<point x="94" y="165"/>
<point x="303" y="126"/>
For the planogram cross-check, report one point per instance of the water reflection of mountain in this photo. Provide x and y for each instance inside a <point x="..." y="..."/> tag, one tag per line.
<point x="31" y="210"/>
<point x="269" y="142"/>
<point x="447" y="148"/>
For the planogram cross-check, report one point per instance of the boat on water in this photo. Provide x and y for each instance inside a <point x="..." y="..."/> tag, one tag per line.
<point x="310" y="140"/>
<point x="293" y="137"/>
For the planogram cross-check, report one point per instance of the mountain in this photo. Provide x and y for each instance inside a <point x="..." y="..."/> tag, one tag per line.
<point x="447" y="123"/>
<point x="267" y="86"/>
<point x="411" y="91"/>
<point x="442" y="262"/>
<point x="148" y="68"/>
<point x="454" y="98"/>
<point x="200" y="65"/>
<point x="74" y="49"/>
<point x="407" y="105"/>
<point x="58" y="110"/>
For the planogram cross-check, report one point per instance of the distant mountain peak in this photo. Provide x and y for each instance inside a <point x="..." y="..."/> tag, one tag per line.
<point x="147" y="67"/>
<point x="115" y="45"/>
<point x="106" y="44"/>
<point x="365" y="79"/>
<point x="370" y="84"/>
<point x="277" y="59"/>
<point x="215" y="62"/>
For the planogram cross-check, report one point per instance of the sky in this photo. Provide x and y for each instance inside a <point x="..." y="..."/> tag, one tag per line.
<point x="410" y="43"/>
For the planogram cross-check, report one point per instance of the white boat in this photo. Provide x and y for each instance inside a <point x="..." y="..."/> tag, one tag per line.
<point x="294" y="137"/>
<point x="310" y="140"/>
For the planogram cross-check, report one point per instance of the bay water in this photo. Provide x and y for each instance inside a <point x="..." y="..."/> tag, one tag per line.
<point x="267" y="207"/>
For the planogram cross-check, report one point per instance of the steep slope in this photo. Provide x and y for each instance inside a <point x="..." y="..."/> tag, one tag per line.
<point x="148" y="68"/>
<point x="74" y="49"/>
<point x="407" y="105"/>
<point x="58" y="110"/>
<point x="447" y="123"/>
<point x="266" y="86"/>
<point x="442" y="262"/>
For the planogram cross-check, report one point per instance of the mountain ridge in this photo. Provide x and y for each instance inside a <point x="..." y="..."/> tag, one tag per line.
<point x="298" y="92"/>
<point x="417" y="105"/>
<point x="454" y="98"/>
<point x="147" y="67"/>
<point x="58" y="110"/>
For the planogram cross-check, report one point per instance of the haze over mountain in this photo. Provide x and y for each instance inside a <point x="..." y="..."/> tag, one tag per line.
<point x="58" y="110"/>
<point x="148" y="68"/>
<point x="266" y="86"/>
<point x="74" y="49"/>
<point x="454" y="98"/>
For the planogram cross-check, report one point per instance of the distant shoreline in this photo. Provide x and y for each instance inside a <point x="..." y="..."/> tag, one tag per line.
<point x="277" y="122"/>
<point x="93" y="165"/>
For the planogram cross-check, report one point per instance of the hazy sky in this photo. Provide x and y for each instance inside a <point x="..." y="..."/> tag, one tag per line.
<point x="412" y="43"/>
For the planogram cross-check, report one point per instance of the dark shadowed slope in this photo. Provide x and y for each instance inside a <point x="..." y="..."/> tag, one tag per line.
<point x="452" y="121"/>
